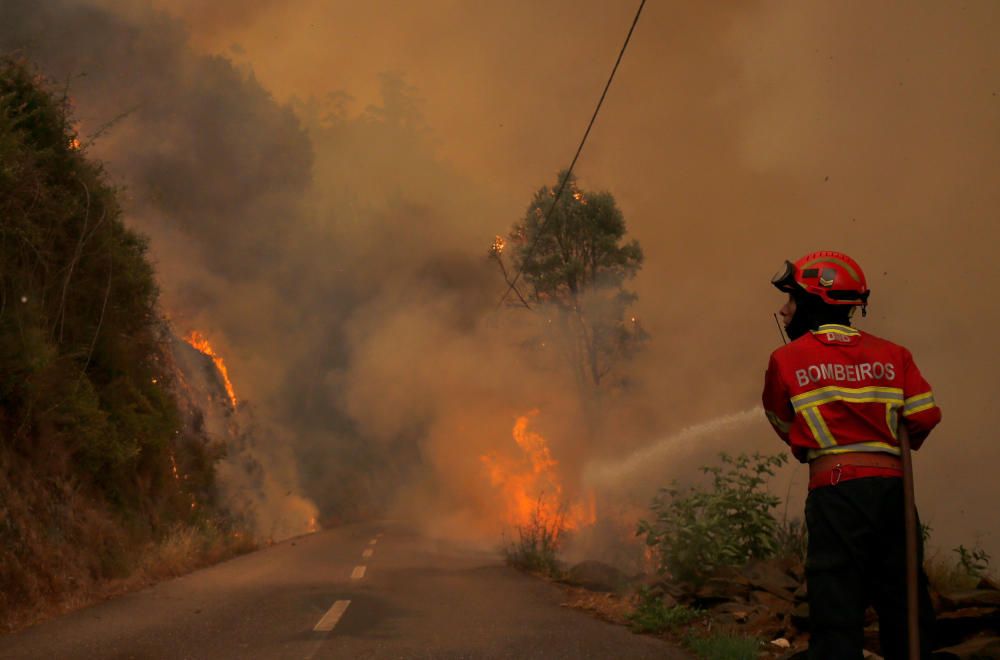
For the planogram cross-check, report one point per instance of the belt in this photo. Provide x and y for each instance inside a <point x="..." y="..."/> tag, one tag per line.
<point x="832" y="469"/>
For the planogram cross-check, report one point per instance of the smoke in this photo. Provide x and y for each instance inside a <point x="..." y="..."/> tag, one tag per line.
<point x="256" y="477"/>
<point x="328" y="223"/>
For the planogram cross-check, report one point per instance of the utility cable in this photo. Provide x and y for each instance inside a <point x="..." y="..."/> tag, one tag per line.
<point x="569" y="172"/>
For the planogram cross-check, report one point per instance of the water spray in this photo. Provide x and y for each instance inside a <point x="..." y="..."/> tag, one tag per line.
<point x="615" y="472"/>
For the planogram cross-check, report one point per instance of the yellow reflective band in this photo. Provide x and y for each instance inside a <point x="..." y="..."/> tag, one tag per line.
<point x="836" y="329"/>
<point x="892" y="419"/>
<point x="835" y="332"/>
<point x="812" y="427"/>
<point x="872" y="394"/>
<point x="823" y="428"/>
<point x="872" y="447"/>
<point x="918" y="409"/>
<point x="777" y="422"/>
<point x="918" y="403"/>
<point x="819" y="428"/>
<point x="918" y="398"/>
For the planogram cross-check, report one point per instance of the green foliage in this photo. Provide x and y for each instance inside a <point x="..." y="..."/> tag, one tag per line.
<point x="537" y="545"/>
<point x="81" y="357"/>
<point x="575" y="266"/>
<point x="724" y="646"/>
<point x="698" y="530"/>
<point x="652" y="615"/>
<point x="577" y="248"/>
<point x="947" y="575"/>
<point x="975" y="562"/>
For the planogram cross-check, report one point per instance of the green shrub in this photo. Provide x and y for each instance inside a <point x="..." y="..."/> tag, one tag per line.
<point x="699" y="530"/>
<point x="652" y="615"/>
<point x="82" y="371"/>
<point x="975" y="561"/>
<point x="947" y="574"/>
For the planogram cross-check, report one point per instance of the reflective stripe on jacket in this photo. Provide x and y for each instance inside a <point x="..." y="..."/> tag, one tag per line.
<point x="838" y="389"/>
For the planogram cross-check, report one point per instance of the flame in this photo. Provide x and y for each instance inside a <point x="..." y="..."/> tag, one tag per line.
<point x="530" y="486"/>
<point x="177" y="478"/>
<point x="173" y="467"/>
<point x="200" y="343"/>
<point x="498" y="245"/>
<point x="74" y="144"/>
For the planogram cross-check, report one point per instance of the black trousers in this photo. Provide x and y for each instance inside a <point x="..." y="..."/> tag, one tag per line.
<point x="856" y="558"/>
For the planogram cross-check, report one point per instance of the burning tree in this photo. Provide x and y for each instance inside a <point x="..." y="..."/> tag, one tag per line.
<point x="572" y="255"/>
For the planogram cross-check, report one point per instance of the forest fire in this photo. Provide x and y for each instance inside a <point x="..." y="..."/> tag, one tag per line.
<point x="530" y="485"/>
<point x="200" y="343"/>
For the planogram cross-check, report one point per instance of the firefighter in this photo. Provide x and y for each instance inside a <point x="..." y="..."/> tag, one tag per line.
<point x="837" y="396"/>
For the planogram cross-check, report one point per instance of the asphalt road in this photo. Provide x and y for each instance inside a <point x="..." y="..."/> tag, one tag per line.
<point x="374" y="590"/>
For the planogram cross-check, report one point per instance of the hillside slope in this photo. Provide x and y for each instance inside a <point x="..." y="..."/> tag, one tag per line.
<point x="104" y="479"/>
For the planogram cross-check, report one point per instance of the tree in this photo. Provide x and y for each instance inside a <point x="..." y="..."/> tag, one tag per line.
<point x="573" y="258"/>
<point x="81" y="344"/>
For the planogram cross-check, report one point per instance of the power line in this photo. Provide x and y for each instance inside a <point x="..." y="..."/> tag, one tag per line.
<point x="569" y="172"/>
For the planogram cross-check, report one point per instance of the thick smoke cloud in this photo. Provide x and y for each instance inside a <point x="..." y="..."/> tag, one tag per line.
<point x="337" y="249"/>
<point x="334" y="269"/>
<point x="736" y="136"/>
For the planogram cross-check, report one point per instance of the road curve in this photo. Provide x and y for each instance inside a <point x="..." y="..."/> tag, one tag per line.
<point x="359" y="591"/>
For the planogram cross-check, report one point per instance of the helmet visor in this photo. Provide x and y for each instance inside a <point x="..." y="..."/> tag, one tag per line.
<point x="784" y="279"/>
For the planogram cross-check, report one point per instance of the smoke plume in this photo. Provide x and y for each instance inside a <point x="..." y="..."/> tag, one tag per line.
<point x="321" y="181"/>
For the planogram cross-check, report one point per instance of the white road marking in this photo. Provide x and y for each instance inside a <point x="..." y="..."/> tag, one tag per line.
<point x="358" y="573"/>
<point x="332" y="616"/>
<point x="325" y="625"/>
<point x="368" y="552"/>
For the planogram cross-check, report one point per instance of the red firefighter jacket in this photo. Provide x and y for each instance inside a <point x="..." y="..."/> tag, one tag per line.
<point x="837" y="389"/>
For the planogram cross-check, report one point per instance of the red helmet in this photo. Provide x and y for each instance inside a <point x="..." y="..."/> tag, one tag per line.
<point x="832" y="276"/>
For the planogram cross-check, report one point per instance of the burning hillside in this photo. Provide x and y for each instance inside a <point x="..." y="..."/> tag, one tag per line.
<point x="254" y="481"/>
<point x="199" y="342"/>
